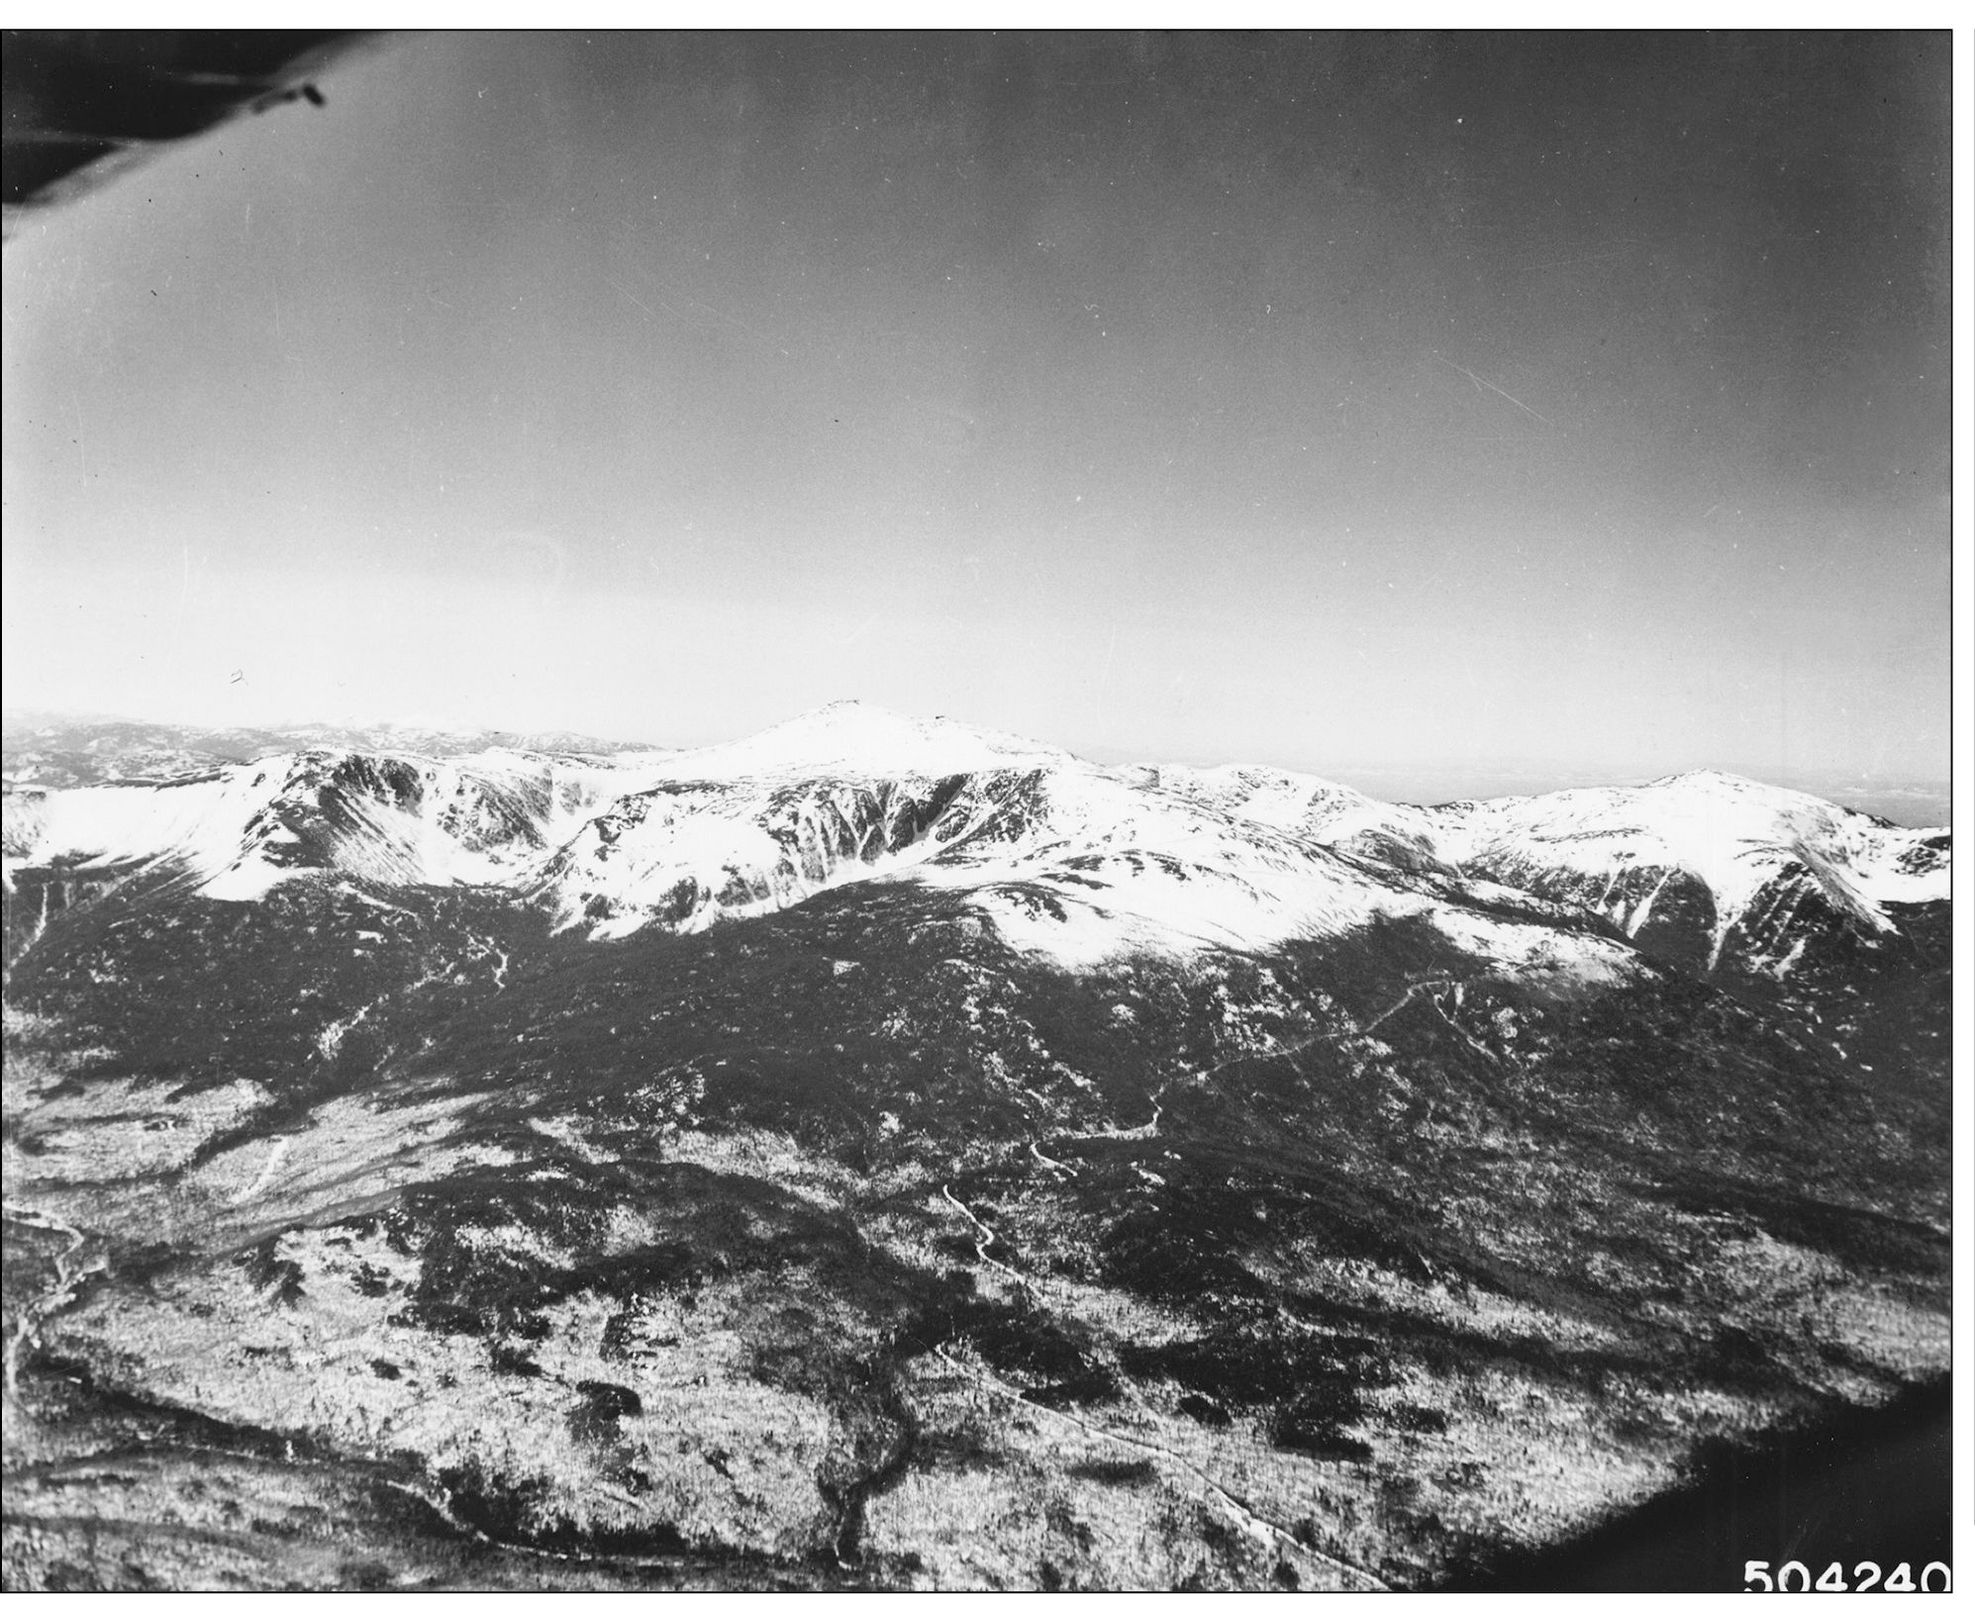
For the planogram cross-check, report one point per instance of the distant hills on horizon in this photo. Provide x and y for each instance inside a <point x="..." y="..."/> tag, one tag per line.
<point x="63" y="749"/>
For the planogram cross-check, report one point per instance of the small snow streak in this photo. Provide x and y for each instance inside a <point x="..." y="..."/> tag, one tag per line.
<point x="266" y="1175"/>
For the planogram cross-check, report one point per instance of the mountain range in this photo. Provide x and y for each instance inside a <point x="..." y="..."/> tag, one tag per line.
<point x="886" y="1150"/>
<point x="1697" y="866"/>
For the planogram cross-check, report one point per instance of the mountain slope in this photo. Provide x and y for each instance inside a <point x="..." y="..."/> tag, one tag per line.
<point x="1707" y="869"/>
<point x="887" y="1153"/>
<point x="1762" y="858"/>
<point x="238" y="829"/>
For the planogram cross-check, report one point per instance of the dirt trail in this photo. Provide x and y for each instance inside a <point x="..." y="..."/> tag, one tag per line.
<point x="984" y="1238"/>
<point x="71" y="1270"/>
<point x="1056" y="1166"/>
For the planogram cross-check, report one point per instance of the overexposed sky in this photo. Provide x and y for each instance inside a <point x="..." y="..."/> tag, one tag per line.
<point x="1578" y="406"/>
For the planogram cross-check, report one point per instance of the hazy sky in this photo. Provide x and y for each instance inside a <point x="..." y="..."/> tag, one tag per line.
<point x="1576" y="406"/>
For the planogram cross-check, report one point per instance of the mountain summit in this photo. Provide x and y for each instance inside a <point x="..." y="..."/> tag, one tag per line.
<point x="854" y="738"/>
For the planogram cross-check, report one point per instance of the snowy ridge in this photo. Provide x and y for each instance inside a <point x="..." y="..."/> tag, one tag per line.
<point x="1318" y="810"/>
<point x="1289" y="801"/>
<point x="1072" y="860"/>
<point x="693" y="850"/>
<point x="1059" y="843"/>
<point x="239" y="830"/>
<point x="1100" y="848"/>
<point x="1743" y="841"/>
<point x="1702" y="845"/>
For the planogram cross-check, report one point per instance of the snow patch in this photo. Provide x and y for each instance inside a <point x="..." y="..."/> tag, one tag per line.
<point x="1533" y="950"/>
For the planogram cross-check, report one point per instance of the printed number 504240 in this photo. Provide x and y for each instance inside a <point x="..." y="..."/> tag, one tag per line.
<point x="1793" y="1577"/>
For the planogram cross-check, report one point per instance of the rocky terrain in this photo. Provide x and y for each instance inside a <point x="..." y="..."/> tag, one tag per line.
<point x="886" y="1153"/>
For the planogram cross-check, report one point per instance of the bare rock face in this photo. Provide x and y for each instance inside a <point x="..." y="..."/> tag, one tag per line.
<point x="889" y="1153"/>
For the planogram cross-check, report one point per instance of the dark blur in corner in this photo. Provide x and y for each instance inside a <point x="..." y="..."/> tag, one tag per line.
<point x="78" y="107"/>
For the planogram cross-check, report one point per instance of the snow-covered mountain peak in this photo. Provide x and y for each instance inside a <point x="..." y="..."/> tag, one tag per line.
<point x="854" y="738"/>
<point x="1720" y="786"/>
